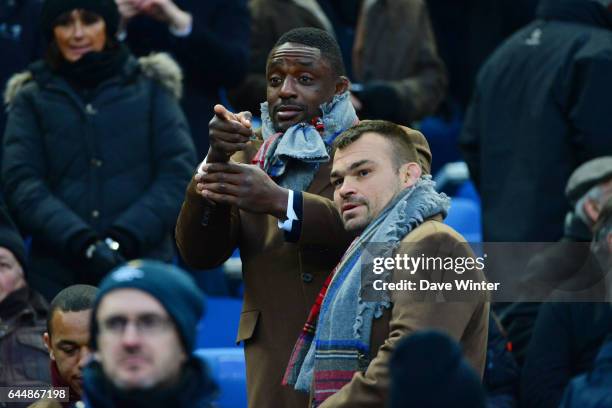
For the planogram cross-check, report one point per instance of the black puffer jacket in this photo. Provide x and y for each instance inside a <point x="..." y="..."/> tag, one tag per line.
<point x="120" y="161"/>
<point x="541" y="108"/>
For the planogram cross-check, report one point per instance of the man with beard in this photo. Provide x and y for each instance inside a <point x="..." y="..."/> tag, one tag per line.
<point x="143" y="335"/>
<point x="392" y="209"/>
<point x="274" y="209"/>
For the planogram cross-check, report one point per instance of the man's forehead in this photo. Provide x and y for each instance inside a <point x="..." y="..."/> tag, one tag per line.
<point x="369" y="148"/>
<point x="294" y="52"/>
<point x="129" y="302"/>
<point x="68" y="323"/>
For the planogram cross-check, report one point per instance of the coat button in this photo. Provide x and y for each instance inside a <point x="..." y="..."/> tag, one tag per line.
<point x="307" y="277"/>
<point x="96" y="162"/>
<point x="90" y="109"/>
<point x="95" y="213"/>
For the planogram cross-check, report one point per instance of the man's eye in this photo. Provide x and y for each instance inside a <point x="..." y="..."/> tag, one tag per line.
<point x="115" y="324"/>
<point x="305" y="79"/>
<point x="274" y="81"/>
<point x="69" y="350"/>
<point x="364" y="173"/>
<point x="337" y="183"/>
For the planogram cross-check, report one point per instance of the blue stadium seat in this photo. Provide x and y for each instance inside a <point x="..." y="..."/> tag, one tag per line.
<point x="228" y="369"/>
<point x="464" y="216"/>
<point x="219" y="326"/>
<point x="468" y="190"/>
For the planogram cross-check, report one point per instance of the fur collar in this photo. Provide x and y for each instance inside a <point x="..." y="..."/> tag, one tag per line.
<point x="160" y="67"/>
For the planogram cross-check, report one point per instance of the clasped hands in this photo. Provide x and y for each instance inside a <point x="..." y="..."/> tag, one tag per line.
<point x="221" y="181"/>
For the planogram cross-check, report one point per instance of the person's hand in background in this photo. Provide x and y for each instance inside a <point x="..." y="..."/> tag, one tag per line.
<point x="167" y="12"/>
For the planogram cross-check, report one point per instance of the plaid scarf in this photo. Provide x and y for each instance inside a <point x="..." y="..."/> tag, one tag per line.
<point x="335" y="342"/>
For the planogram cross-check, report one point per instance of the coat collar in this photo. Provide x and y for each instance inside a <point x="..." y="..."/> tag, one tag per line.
<point x="576" y="11"/>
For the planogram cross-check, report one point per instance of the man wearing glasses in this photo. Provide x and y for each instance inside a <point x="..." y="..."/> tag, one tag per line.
<point x="142" y="335"/>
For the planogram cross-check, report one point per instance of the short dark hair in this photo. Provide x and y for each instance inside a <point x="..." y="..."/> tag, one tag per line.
<point x="319" y="39"/>
<point x="404" y="151"/>
<point x="75" y="298"/>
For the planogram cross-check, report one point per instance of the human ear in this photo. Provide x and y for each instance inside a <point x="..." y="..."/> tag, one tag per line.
<point x="47" y="341"/>
<point x="342" y="85"/>
<point x="410" y="173"/>
<point x="591" y="209"/>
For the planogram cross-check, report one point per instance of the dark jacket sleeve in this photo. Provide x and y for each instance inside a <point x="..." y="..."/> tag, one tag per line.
<point x="217" y="47"/>
<point x="38" y="211"/>
<point x="469" y="141"/>
<point x="547" y="369"/>
<point x="152" y="216"/>
<point x="419" y="94"/>
<point x="588" y="104"/>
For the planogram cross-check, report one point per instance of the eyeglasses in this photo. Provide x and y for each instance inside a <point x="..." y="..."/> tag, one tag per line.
<point x="146" y="324"/>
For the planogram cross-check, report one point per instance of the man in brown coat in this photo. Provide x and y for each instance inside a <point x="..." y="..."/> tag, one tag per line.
<point x="388" y="48"/>
<point x="377" y="294"/>
<point x="232" y="204"/>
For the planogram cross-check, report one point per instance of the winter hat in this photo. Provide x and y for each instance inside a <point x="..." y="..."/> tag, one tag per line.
<point x="170" y="285"/>
<point x="52" y="9"/>
<point x="587" y="176"/>
<point x="428" y="371"/>
<point x="10" y="238"/>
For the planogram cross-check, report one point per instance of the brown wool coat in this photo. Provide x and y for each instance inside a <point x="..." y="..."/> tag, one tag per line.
<point x="393" y="42"/>
<point x="463" y="317"/>
<point x="281" y="279"/>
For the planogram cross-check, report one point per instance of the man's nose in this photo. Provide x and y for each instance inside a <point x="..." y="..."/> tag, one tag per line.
<point x="84" y="356"/>
<point x="288" y="88"/>
<point x="130" y="336"/>
<point x="347" y="188"/>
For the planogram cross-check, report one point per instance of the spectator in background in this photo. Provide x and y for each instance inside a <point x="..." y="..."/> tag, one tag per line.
<point x="468" y="31"/>
<point x="539" y="110"/>
<point x="387" y="47"/>
<point x="209" y="39"/>
<point x="22" y="313"/>
<point x="592" y="389"/>
<point x="67" y="339"/>
<point x="143" y="335"/>
<point x="20" y="42"/>
<point x="97" y="150"/>
<point x="587" y="190"/>
<point x="568" y="336"/>
<point x="428" y="370"/>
